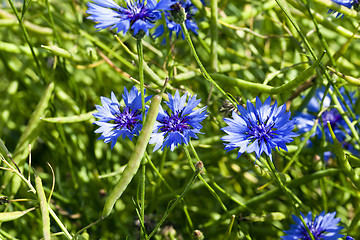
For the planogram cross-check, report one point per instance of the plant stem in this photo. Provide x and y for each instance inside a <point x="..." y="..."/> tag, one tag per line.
<point x="214" y="183"/>
<point x="136" y="156"/>
<point x="168" y="211"/>
<point x="212" y="191"/>
<point x="288" y="193"/>
<point x="203" y="70"/>
<point x="27" y="39"/>
<point x="58" y="221"/>
<point x="140" y="52"/>
<point x="343" y="159"/>
<point x="12" y="169"/>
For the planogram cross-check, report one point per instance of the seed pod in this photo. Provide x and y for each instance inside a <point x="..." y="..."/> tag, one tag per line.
<point x="136" y="156"/>
<point x="9" y="216"/>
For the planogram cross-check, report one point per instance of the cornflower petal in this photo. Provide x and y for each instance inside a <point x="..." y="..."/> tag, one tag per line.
<point x="137" y="15"/>
<point x="190" y="23"/>
<point x="346" y="3"/>
<point x="115" y="120"/>
<point x="305" y="120"/>
<point x="324" y="226"/>
<point x="179" y="124"/>
<point x="259" y="128"/>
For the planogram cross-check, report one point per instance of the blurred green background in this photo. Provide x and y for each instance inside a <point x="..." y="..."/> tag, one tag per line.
<point x="256" y="42"/>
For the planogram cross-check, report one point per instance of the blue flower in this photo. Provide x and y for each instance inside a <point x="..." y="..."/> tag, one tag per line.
<point x="324" y="226"/>
<point x="349" y="238"/>
<point x="305" y="120"/>
<point x="346" y="3"/>
<point x="137" y="15"/>
<point x="258" y="129"/>
<point x="190" y="23"/>
<point x="115" y="120"/>
<point x="179" y="124"/>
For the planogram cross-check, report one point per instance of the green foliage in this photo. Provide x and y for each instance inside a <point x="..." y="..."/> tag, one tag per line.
<point x="54" y="67"/>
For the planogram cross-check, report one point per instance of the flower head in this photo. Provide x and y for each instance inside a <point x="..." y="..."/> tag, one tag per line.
<point x="258" y="129"/>
<point x="324" y="226"/>
<point x="347" y="3"/>
<point x="137" y="15"/>
<point x="181" y="122"/>
<point x="190" y="23"/>
<point x="305" y="120"/>
<point x="115" y="120"/>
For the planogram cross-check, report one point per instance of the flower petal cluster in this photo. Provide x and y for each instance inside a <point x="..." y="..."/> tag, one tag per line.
<point x="116" y="120"/>
<point x="347" y="3"/>
<point x="259" y="129"/>
<point x="137" y="15"/>
<point x="190" y="23"/>
<point x="181" y="122"/>
<point x="324" y="226"/>
<point x="305" y="120"/>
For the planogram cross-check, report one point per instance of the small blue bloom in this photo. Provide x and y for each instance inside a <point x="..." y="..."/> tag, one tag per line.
<point x="190" y="23"/>
<point x="349" y="238"/>
<point x="324" y="227"/>
<point x="137" y="15"/>
<point x="258" y="129"/>
<point x="179" y="124"/>
<point x="346" y="3"/>
<point x="305" y="120"/>
<point x="115" y="120"/>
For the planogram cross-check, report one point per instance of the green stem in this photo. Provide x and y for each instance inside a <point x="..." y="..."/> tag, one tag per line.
<point x="203" y="70"/>
<point x="136" y="156"/>
<point x="273" y="193"/>
<point x="142" y="90"/>
<point x="142" y="198"/>
<point x="141" y="74"/>
<point x="288" y="193"/>
<point x="168" y="211"/>
<point x="27" y="39"/>
<point x="12" y="169"/>
<point x="58" y="221"/>
<point x="323" y="69"/>
<point x="322" y="39"/>
<point x="343" y="114"/>
<point x="214" y="183"/>
<point x="212" y="191"/>
<point x="338" y="8"/>
<point x="301" y="78"/>
<point x="214" y="35"/>
<point x="227" y="235"/>
<point x="57" y="37"/>
<point x="343" y="160"/>
<point x="301" y="146"/>
<point x="161" y="178"/>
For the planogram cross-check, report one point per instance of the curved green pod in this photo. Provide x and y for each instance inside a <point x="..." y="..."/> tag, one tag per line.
<point x="136" y="156"/>
<point x="9" y="216"/>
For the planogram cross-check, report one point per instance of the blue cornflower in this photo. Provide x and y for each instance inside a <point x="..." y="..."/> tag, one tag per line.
<point x="305" y="120"/>
<point x="137" y="15"/>
<point x="258" y="129"/>
<point x="190" y="23"/>
<point x="346" y="3"/>
<point x="324" y="227"/>
<point x="116" y="120"/>
<point x="179" y="124"/>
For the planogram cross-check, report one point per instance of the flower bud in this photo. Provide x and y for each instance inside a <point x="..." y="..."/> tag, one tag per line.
<point x="178" y="13"/>
<point x="198" y="235"/>
<point x="199" y="166"/>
